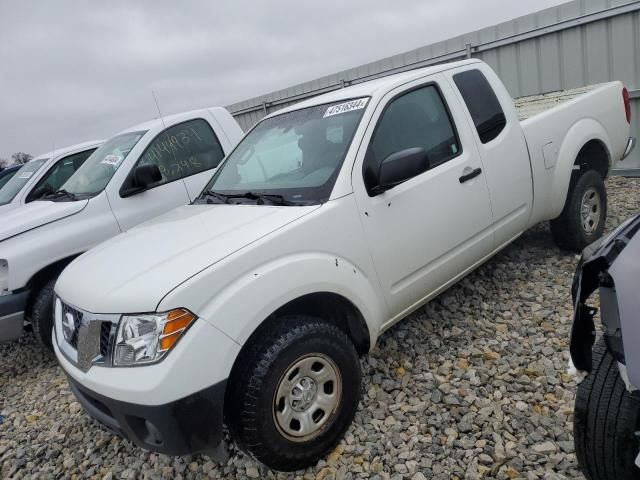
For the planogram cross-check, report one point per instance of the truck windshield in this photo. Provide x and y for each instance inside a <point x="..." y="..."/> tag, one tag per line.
<point x="95" y="173"/>
<point x="9" y="191"/>
<point x="293" y="158"/>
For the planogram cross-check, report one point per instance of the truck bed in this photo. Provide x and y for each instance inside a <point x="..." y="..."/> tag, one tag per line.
<point x="534" y="104"/>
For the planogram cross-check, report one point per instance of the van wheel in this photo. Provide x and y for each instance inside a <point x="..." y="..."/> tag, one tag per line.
<point x="293" y="392"/>
<point x="606" y="418"/>
<point x="42" y="314"/>
<point x="584" y="215"/>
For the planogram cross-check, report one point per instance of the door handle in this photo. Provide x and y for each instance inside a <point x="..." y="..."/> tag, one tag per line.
<point x="468" y="176"/>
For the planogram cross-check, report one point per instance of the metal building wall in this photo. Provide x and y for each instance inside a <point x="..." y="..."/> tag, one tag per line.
<point x="574" y="44"/>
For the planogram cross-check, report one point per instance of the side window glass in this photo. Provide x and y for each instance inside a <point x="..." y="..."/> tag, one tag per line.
<point x="58" y="174"/>
<point x="183" y="150"/>
<point x="483" y="105"/>
<point x="416" y="119"/>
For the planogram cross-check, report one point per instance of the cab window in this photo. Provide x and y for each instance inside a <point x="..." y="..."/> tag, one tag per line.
<point x="58" y="174"/>
<point x="482" y="103"/>
<point x="183" y="150"/>
<point x="417" y="119"/>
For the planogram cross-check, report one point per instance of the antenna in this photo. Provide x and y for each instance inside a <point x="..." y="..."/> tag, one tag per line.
<point x="53" y="151"/>
<point x="158" y="107"/>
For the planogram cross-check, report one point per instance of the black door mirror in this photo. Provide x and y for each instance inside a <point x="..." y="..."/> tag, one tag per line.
<point x="143" y="177"/>
<point x="401" y="166"/>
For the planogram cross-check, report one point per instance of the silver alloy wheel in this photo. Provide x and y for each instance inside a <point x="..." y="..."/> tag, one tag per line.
<point x="307" y="397"/>
<point x="590" y="208"/>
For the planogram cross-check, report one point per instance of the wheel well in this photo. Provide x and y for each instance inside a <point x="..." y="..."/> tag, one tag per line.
<point x="40" y="278"/>
<point x="330" y="307"/>
<point x="593" y="156"/>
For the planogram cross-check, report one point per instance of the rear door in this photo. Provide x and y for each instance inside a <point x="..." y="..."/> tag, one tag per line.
<point x="502" y="147"/>
<point x="429" y="230"/>
<point x="181" y="152"/>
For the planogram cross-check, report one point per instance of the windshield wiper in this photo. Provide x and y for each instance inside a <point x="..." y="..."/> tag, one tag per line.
<point x="59" y="194"/>
<point x="217" y="197"/>
<point x="211" y="197"/>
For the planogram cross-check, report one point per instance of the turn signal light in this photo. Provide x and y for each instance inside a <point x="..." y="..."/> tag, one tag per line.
<point x="176" y="323"/>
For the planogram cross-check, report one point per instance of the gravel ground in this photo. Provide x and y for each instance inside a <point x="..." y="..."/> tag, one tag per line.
<point x="472" y="386"/>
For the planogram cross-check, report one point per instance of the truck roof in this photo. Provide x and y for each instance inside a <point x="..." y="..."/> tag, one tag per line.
<point x="372" y="87"/>
<point x="173" y="119"/>
<point x="78" y="147"/>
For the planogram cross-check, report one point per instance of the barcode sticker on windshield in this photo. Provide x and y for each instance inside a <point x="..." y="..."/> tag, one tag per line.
<point x="25" y="175"/>
<point x="346" y="107"/>
<point x="112" y="160"/>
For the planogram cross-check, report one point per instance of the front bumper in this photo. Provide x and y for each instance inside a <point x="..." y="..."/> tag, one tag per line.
<point x="12" y="309"/>
<point x="610" y="266"/>
<point x="186" y="426"/>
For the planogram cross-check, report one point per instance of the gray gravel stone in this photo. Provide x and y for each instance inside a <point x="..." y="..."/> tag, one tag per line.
<point x="473" y="385"/>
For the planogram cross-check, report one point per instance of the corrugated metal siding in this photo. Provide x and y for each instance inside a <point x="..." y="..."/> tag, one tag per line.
<point x="572" y="45"/>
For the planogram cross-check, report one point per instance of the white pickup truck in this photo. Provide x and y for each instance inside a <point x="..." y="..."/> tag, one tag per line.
<point x="44" y="174"/>
<point x="138" y="174"/>
<point x="329" y="222"/>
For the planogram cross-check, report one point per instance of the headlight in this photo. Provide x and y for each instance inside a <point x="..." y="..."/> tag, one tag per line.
<point x="146" y="338"/>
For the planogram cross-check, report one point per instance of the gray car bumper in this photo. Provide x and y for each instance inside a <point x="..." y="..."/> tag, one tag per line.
<point x="12" y="308"/>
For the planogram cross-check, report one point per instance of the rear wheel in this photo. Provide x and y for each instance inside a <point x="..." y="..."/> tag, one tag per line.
<point x="584" y="215"/>
<point x="294" y="392"/>
<point x="42" y="314"/>
<point x="606" y="418"/>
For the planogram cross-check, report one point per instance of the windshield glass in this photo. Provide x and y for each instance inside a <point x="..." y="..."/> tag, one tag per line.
<point x="5" y="176"/>
<point x="9" y="191"/>
<point x="295" y="156"/>
<point x="95" y="173"/>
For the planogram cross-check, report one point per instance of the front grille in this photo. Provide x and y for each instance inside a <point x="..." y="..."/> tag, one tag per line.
<point x="85" y="338"/>
<point x="105" y="338"/>
<point x="77" y="321"/>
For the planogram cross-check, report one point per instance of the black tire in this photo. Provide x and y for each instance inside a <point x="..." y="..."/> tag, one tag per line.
<point x="606" y="418"/>
<point x="251" y="397"/>
<point x="42" y="314"/>
<point x="568" y="230"/>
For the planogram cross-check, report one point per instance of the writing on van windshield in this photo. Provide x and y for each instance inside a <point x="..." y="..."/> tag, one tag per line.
<point x="169" y="153"/>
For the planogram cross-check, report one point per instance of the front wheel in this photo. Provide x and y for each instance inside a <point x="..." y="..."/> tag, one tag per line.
<point x="294" y="392"/>
<point x="584" y="215"/>
<point x="42" y="314"/>
<point x="606" y="418"/>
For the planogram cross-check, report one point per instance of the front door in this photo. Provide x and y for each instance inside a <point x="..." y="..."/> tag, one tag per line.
<point x="434" y="227"/>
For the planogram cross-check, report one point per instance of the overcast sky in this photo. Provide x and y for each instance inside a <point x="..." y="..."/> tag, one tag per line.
<point x="72" y="71"/>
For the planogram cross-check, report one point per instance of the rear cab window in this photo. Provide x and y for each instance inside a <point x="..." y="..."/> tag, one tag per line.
<point x="482" y="103"/>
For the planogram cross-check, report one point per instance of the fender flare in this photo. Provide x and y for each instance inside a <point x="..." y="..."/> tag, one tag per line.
<point x="256" y="294"/>
<point x="581" y="133"/>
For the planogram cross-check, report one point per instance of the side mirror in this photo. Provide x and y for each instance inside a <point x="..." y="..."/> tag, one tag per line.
<point x="401" y="166"/>
<point x="143" y="177"/>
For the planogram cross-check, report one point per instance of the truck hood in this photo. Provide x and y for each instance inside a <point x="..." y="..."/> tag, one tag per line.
<point x="35" y="214"/>
<point x="133" y="271"/>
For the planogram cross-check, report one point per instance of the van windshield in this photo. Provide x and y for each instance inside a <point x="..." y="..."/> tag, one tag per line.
<point x="9" y="191"/>
<point x="94" y="174"/>
<point x="292" y="158"/>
